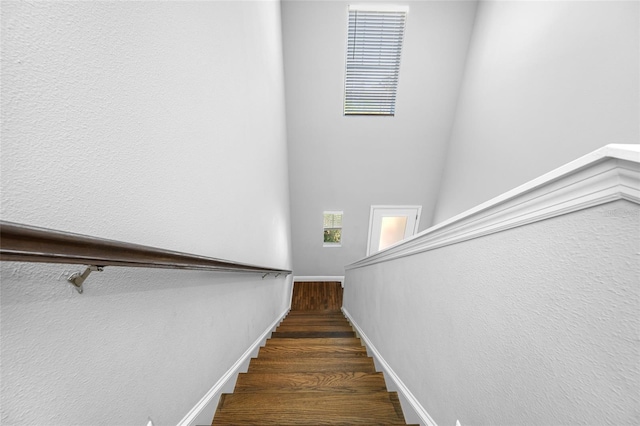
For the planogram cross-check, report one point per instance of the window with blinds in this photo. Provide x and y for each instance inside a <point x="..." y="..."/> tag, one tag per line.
<point x="374" y="46"/>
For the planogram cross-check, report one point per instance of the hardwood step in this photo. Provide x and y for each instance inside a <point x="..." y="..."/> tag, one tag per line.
<point x="306" y="408"/>
<point x="307" y="320"/>
<point x="311" y="350"/>
<point x="314" y="323"/>
<point x="336" y="341"/>
<point x="314" y="334"/>
<point x="338" y="382"/>
<point x="312" y="327"/>
<point x="311" y="365"/>
<point x="324" y="314"/>
<point x="319" y="314"/>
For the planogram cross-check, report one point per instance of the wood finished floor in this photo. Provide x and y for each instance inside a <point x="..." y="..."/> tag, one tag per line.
<point x="312" y="371"/>
<point x="317" y="296"/>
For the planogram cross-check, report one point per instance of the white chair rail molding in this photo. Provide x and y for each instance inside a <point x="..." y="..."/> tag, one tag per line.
<point x="524" y="307"/>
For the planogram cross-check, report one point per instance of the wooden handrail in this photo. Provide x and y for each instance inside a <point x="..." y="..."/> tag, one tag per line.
<point x="24" y="243"/>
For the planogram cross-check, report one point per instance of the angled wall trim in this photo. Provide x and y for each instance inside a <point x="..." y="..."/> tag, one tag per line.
<point x="417" y="409"/>
<point x="210" y="399"/>
<point x="608" y="174"/>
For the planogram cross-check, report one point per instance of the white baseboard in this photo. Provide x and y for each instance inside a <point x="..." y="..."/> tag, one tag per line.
<point x="302" y="279"/>
<point x="414" y="409"/>
<point x="210" y="399"/>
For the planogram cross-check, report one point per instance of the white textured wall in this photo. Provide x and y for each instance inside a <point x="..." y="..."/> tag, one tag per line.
<point x="537" y="325"/>
<point x="158" y="123"/>
<point x="351" y="163"/>
<point x="545" y="82"/>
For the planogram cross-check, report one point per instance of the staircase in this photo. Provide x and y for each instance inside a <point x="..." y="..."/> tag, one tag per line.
<point x="312" y="371"/>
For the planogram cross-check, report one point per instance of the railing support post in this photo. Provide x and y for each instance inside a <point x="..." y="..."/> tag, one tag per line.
<point x="77" y="279"/>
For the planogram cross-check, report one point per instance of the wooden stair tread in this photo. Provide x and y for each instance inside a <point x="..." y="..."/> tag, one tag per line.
<point x="319" y="341"/>
<point x="308" y="364"/>
<point x="315" y="324"/>
<point x="314" y="350"/>
<point x="337" y="382"/>
<point x="314" y="327"/>
<point x="287" y="400"/>
<point x="319" y="315"/>
<point x="306" y="319"/>
<point x="315" y="334"/>
<point x="316" y="314"/>
<point x="328" y="318"/>
<point x="307" y="408"/>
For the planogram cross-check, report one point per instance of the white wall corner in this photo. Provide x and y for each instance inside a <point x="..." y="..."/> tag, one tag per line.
<point x="203" y="411"/>
<point x="411" y="408"/>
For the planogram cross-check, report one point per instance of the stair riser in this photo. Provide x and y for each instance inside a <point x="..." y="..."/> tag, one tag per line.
<point x="302" y="356"/>
<point x="315" y="326"/>
<point x="291" y="419"/>
<point x="317" y="349"/>
<point x="284" y="368"/>
<point x="321" y="317"/>
<point x="374" y="407"/>
<point x="313" y="334"/>
<point x="317" y="320"/>
<point x="347" y="382"/>
<point x="295" y="328"/>
<point x="337" y="342"/>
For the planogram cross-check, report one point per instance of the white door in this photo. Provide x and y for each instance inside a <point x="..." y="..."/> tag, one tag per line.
<point x="391" y="224"/>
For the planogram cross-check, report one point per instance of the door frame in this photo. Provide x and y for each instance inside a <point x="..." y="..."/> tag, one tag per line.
<point x="374" y="208"/>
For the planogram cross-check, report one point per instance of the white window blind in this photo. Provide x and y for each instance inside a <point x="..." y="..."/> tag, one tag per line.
<point x="374" y="46"/>
<point x="333" y="219"/>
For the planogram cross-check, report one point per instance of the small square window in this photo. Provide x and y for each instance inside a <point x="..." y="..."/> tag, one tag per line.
<point x="332" y="229"/>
